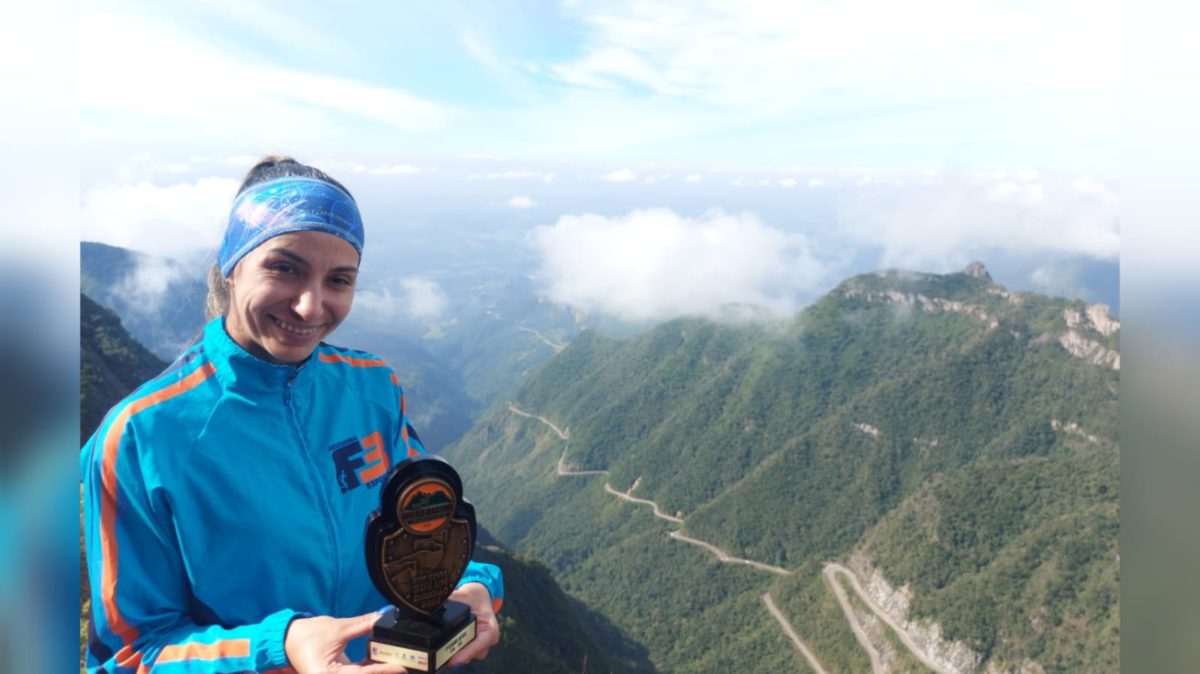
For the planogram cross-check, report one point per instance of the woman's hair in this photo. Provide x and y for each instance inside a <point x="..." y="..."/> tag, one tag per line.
<point x="268" y="168"/>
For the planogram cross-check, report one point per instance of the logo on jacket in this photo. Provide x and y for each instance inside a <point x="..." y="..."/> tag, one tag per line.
<point x="360" y="463"/>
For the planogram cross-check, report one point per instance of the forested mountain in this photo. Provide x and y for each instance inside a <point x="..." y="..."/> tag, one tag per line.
<point x="111" y="363"/>
<point x="935" y="434"/>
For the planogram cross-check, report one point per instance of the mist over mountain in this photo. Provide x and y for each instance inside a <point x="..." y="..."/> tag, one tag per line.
<point x="952" y="444"/>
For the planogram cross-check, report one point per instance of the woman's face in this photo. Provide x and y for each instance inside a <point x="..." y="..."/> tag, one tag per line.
<point x="289" y="293"/>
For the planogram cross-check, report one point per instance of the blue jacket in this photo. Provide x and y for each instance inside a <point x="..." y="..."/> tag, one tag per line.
<point x="227" y="496"/>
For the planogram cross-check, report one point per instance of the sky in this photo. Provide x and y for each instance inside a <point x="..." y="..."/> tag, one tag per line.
<point x="650" y="160"/>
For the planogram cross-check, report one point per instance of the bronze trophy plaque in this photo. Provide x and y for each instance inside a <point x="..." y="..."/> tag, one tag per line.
<point x="417" y="545"/>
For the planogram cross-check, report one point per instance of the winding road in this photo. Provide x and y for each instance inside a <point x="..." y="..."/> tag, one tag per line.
<point x="791" y="634"/>
<point x="553" y="345"/>
<point x="831" y="570"/>
<point x="721" y="555"/>
<point x="830" y="573"/>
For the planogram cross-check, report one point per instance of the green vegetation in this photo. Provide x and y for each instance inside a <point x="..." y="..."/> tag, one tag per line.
<point x="790" y="444"/>
<point x="542" y="629"/>
<point x="111" y="364"/>
<point x="818" y="619"/>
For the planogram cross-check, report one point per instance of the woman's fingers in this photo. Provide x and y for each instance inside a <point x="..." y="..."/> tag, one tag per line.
<point x="375" y="668"/>
<point x="358" y="625"/>
<point x="487" y="633"/>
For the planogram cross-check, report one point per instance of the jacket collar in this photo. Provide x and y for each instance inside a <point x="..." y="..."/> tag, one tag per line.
<point x="238" y="368"/>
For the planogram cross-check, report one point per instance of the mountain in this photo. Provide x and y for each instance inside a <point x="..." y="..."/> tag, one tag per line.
<point x="111" y="363"/>
<point x="950" y="444"/>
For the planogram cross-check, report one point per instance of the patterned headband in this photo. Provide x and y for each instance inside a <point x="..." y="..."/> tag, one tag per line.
<point x="290" y="204"/>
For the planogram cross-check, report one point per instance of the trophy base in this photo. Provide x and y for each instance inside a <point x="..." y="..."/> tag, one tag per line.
<point x="422" y="644"/>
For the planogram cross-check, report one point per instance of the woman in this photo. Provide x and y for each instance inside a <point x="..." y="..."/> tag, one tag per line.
<point x="225" y="500"/>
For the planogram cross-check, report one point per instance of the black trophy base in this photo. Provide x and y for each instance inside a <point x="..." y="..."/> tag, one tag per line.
<point x="422" y="644"/>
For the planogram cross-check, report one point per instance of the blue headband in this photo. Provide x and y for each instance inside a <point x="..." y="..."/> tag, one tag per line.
<point x="290" y="204"/>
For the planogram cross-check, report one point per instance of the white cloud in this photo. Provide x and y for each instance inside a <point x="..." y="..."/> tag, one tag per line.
<point x="622" y="175"/>
<point x="544" y="176"/>
<point x="521" y="202"/>
<point x="694" y="178"/>
<point x="201" y="82"/>
<point x="788" y="182"/>
<point x="656" y="264"/>
<point x="815" y="182"/>
<point x="394" y="169"/>
<point x="145" y="287"/>
<point x="173" y="221"/>
<point x="415" y="297"/>
<point x="956" y="218"/>
<point x="1059" y="280"/>
<point x="735" y="53"/>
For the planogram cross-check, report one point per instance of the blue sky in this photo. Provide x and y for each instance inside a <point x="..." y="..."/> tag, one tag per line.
<point x="853" y="134"/>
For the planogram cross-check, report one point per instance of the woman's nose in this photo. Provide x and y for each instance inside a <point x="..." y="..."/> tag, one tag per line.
<point x="308" y="304"/>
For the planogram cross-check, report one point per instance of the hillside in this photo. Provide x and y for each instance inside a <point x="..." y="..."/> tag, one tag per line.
<point x="111" y="363"/>
<point x="958" y="438"/>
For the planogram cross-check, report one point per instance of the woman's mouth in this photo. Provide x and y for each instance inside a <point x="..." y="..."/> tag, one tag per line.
<point x="295" y="329"/>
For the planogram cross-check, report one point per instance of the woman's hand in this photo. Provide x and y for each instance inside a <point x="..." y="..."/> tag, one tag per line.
<point x="487" y="630"/>
<point x="318" y="645"/>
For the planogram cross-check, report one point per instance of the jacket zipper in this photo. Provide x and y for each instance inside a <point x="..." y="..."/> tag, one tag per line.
<point x="322" y="496"/>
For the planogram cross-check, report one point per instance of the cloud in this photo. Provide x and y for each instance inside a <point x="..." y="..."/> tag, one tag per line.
<point x="788" y="182"/>
<point x="144" y="288"/>
<point x="693" y="178"/>
<point x="393" y="169"/>
<point x="1059" y="280"/>
<point x="415" y="297"/>
<point x="663" y="48"/>
<point x="521" y="202"/>
<point x="202" y="82"/>
<point x="657" y="264"/>
<point x="946" y="222"/>
<point x="544" y="176"/>
<point x="172" y="221"/>
<point x="622" y="175"/>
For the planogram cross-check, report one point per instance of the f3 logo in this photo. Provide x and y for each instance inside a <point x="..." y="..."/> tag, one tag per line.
<point x="360" y="463"/>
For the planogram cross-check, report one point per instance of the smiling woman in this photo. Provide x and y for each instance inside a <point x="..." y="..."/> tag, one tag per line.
<point x="225" y="499"/>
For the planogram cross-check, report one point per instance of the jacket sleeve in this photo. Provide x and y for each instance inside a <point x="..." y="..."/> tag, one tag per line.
<point x="140" y="594"/>
<point x="476" y="572"/>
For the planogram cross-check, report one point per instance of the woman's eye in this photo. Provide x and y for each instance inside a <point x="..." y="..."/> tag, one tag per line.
<point x="342" y="281"/>
<point x="283" y="267"/>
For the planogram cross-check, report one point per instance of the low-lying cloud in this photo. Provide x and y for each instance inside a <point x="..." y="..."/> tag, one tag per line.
<point x="173" y="221"/>
<point x="954" y="219"/>
<point x="414" y="297"/>
<point x="655" y="264"/>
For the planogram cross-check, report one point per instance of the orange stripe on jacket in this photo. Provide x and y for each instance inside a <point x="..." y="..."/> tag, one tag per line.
<point x="496" y="604"/>
<point x="127" y="657"/>
<point x="351" y="361"/>
<point x="230" y="648"/>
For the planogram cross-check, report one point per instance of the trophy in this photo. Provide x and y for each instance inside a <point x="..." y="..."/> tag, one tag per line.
<point x="418" y="544"/>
